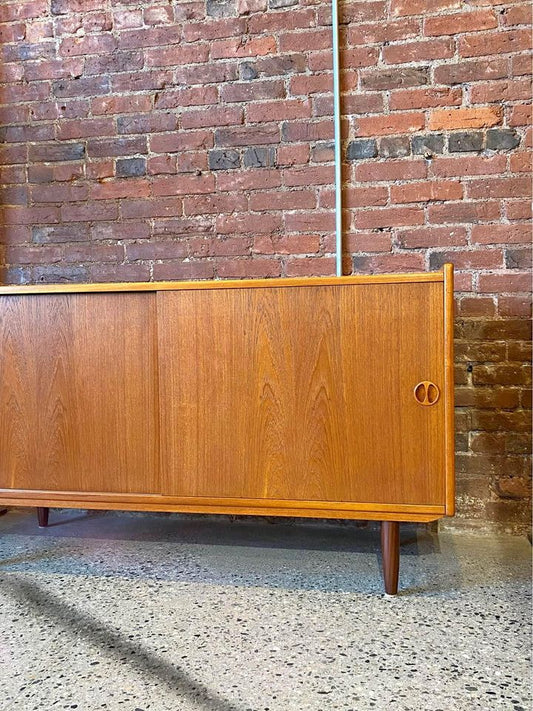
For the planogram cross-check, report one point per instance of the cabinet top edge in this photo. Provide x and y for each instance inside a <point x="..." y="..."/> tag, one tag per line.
<point x="222" y="284"/>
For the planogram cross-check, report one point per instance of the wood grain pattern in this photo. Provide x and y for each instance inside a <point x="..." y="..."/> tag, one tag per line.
<point x="303" y="393"/>
<point x="449" y="381"/>
<point x="78" y="393"/>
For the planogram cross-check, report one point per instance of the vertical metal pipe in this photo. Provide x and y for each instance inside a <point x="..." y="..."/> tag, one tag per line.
<point x="337" y="126"/>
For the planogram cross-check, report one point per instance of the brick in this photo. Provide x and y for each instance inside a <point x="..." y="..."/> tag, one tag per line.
<point x="421" y="7"/>
<point x="296" y="154"/>
<point x="160" y="207"/>
<point x="460" y="22"/>
<point x="363" y="197"/>
<point x="419" y="51"/>
<point x="361" y="148"/>
<point x="286" y="244"/>
<point x="396" y="147"/>
<point x="169" y="249"/>
<point x="499" y="187"/>
<point x="477" y="306"/>
<point x="176" y="55"/>
<point x="142" y="81"/>
<point x="60" y="274"/>
<point x="368" y="242"/>
<point x="248" y="224"/>
<point x="295" y="131"/>
<point x="183" y="185"/>
<point x="520" y="115"/>
<point x="201" y="269"/>
<point x="390" y="124"/>
<point x="224" y="159"/>
<point x="464" y="212"/>
<point x="517" y="15"/>
<point x="486" y="398"/>
<point x="112" y="189"/>
<point x="520" y="162"/>
<point x="197" y="96"/>
<point x="247" y="135"/>
<point x="119" y="272"/>
<point x="253" y="47"/>
<point x="249" y="180"/>
<point x="130" y="167"/>
<point x="515" y="421"/>
<point x="102" y="148"/>
<point x="159" y="15"/>
<point x="444" y="166"/>
<point x="91" y="86"/>
<point x="465" y="142"/>
<point x="246" y="91"/>
<point x="463" y="259"/>
<point x="514" y="488"/>
<point x="181" y="141"/>
<point x="53" y="69"/>
<point x="380" y="32"/>
<point x="59" y="193"/>
<point x="501" y="374"/>
<point x="509" y="282"/>
<point x="499" y="42"/>
<point x="212" y="30"/>
<point x="248" y="268"/>
<point x="384" y="79"/>
<point x="301" y="41"/>
<point x="518" y="258"/>
<point x="465" y="118"/>
<point x="308" y="176"/>
<point x="259" y="157"/>
<point x="389" y="217"/>
<point x="85" y="128"/>
<point x="152" y="37"/>
<point x="425" y="98"/>
<point x="388" y="262"/>
<point x="519" y="210"/>
<point x="426" y="191"/>
<point x="115" y="62"/>
<point x="515" y="306"/>
<point x="391" y="170"/>
<point x="471" y="71"/>
<point x="496" y="91"/>
<point x="49" y="152"/>
<point x="427" y="145"/>
<point x="89" y="212"/>
<point x="214" y="204"/>
<point x="216" y="116"/>
<point x="91" y="44"/>
<point x="313" y="221"/>
<point x="289" y="200"/>
<point x="47" y="234"/>
<point x="310" y="266"/>
<point x="425" y="237"/>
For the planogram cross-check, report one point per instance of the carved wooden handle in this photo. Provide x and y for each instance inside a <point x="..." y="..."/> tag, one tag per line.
<point x="426" y="393"/>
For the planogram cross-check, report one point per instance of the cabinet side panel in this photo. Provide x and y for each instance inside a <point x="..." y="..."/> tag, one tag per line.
<point x="78" y="392"/>
<point x="303" y="393"/>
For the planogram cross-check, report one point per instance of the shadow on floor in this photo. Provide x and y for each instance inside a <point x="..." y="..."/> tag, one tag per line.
<point x="81" y="624"/>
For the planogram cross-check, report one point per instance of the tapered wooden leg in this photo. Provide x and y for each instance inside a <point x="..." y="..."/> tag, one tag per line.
<point x="42" y="516"/>
<point x="390" y="552"/>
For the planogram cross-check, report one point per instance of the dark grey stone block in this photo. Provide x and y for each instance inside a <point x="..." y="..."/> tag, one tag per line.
<point x="362" y="148"/>
<point x="224" y="160"/>
<point x="260" y="157"/>
<point x="427" y="144"/>
<point x="129" y="167"/>
<point x="394" y="147"/>
<point x="502" y="139"/>
<point x="465" y="142"/>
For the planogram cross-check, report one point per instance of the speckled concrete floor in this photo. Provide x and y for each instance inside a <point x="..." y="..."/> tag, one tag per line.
<point x="147" y="612"/>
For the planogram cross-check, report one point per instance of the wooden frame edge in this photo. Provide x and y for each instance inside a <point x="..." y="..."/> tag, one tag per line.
<point x="221" y="284"/>
<point x="449" y="426"/>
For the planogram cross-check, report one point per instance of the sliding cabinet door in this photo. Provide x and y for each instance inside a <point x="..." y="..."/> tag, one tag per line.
<point x="78" y="392"/>
<point x="302" y="393"/>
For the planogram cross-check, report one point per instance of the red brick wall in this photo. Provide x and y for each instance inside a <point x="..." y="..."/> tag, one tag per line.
<point x="172" y="140"/>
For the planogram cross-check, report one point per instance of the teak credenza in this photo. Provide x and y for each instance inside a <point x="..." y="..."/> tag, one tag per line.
<point x="320" y="397"/>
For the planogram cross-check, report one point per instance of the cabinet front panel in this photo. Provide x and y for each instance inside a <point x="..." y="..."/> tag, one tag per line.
<point x="78" y="392"/>
<point x="303" y="393"/>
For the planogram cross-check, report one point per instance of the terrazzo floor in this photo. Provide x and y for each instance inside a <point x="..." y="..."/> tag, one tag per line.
<point x="154" y="612"/>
